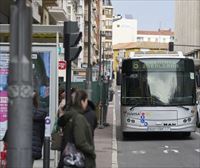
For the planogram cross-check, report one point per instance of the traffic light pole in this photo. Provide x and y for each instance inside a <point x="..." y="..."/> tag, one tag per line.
<point x="20" y="87"/>
<point x="89" y="67"/>
<point x="100" y="86"/>
<point x="68" y="83"/>
<point x="72" y="37"/>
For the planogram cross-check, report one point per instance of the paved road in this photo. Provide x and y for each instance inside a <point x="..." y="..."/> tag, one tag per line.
<point x="157" y="150"/>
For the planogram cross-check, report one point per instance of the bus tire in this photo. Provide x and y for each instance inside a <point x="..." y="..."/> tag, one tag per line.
<point x="125" y="135"/>
<point x="198" y="122"/>
<point x="186" y="134"/>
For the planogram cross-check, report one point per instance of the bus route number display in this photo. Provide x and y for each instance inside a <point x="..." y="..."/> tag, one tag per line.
<point x="143" y="65"/>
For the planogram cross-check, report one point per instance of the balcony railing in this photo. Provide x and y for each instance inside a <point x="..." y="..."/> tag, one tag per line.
<point x="58" y="13"/>
<point x="49" y="3"/>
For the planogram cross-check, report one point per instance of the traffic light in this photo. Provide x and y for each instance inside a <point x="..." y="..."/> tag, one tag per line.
<point x="72" y="36"/>
<point x="171" y="46"/>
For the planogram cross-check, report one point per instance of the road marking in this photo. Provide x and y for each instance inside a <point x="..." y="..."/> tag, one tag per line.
<point x="175" y="151"/>
<point x="139" y="152"/>
<point x="114" y="140"/>
<point x="165" y="151"/>
<point x="168" y="149"/>
<point x="197" y="150"/>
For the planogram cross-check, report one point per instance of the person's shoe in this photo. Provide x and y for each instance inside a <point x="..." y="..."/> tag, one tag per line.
<point x="106" y="124"/>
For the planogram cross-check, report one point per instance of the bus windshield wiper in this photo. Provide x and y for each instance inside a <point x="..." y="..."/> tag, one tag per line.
<point x="184" y="107"/>
<point x="134" y="106"/>
<point x="142" y="100"/>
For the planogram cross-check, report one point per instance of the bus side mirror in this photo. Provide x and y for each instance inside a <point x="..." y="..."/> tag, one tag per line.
<point x="198" y="80"/>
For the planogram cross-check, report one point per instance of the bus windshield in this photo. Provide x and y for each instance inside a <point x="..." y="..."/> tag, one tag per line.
<point x="164" y="87"/>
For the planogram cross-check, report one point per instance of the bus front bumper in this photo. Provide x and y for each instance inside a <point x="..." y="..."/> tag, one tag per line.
<point x="179" y="128"/>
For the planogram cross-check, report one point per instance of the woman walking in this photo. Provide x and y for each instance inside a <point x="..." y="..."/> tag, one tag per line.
<point x="81" y="131"/>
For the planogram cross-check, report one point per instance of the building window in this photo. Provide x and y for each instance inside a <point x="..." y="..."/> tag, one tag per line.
<point x="149" y="39"/>
<point x="140" y="38"/>
<point x="108" y="13"/>
<point x="164" y="39"/>
<point x="108" y="24"/>
<point x="108" y="45"/>
<point x="108" y="35"/>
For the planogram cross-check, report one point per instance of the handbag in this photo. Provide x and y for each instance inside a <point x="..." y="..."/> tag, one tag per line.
<point x="56" y="140"/>
<point x="73" y="157"/>
<point x="56" y="137"/>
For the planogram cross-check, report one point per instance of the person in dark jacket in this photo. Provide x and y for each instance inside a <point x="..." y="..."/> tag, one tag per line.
<point x="39" y="115"/>
<point x="81" y="130"/>
<point x="90" y="115"/>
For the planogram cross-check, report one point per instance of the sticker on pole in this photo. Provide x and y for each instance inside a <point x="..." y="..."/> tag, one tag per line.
<point x="47" y="126"/>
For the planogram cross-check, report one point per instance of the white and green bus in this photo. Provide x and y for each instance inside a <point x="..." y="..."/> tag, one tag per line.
<point x="158" y="94"/>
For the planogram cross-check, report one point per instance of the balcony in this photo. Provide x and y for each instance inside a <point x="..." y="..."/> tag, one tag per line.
<point x="50" y="3"/>
<point x="58" y="13"/>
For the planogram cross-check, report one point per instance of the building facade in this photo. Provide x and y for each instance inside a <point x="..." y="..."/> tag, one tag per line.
<point x="161" y="36"/>
<point x="187" y="27"/>
<point x="124" y="50"/>
<point x="106" y="28"/>
<point x="95" y="18"/>
<point x="124" y="30"/>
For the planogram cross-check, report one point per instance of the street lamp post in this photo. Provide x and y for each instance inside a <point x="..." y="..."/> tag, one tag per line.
<point x="103" y="57"/>
<point x="20" y="87"/>
<point x="100" y="52"/>
<point x="101" y="126"/>
<point x="89" y="67"/>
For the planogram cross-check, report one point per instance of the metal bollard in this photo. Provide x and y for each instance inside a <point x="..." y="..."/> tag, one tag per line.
<point x="46" y="151"/>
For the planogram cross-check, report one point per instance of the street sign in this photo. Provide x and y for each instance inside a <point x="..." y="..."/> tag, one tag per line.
<point x="62" y="65"/>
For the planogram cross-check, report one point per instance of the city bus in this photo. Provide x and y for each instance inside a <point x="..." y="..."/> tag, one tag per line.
<point x="158" y="94"/>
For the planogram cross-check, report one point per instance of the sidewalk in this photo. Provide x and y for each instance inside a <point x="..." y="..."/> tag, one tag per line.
<point x="103" y="145"/>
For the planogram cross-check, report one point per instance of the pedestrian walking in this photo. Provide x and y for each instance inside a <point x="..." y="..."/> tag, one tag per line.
<point x="39" y="115"/>
<point x="90" y="115"/>
<point x="81" y="130"/>
<point x="90" y="112"/>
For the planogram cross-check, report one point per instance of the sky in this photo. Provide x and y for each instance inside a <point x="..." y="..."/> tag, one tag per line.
<point x="150" y="14"/>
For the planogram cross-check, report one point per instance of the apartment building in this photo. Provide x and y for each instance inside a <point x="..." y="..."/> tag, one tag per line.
<point x="187" y="27"/>
<point x="95" y="21"/>
<point x="124" y="29"/>
<point x="107" y="28"/>
<point x="161" y="36"/>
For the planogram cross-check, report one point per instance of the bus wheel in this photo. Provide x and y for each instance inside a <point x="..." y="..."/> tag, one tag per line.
<point x="198" y="122"/>
<point x="186" y="134"/>
<point x="125" y="135"/>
